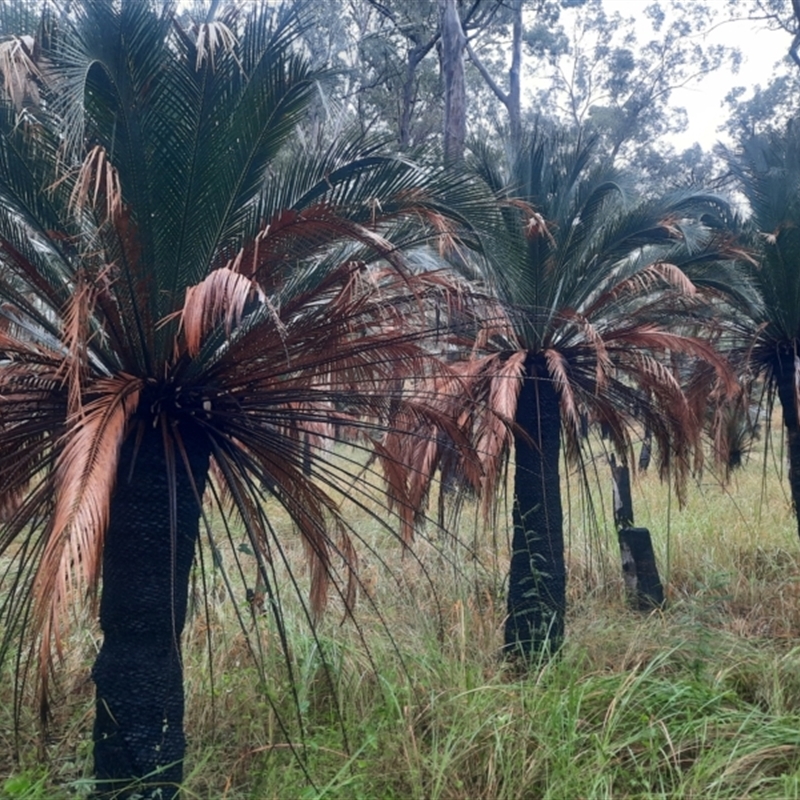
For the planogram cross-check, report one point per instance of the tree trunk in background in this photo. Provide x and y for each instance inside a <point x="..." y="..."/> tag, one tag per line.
<point x="785" y="377"/>
<point x="138" y="730"/>
<point x="415" y="56"/>
<point x="537" y="577"/>
<point x="455" y="95"/>
<point x="514" y="104"/>
<point x="512" y="99"/>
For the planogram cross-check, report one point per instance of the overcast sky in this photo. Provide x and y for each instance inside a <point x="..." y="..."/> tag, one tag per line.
<point x="761" y="50"/>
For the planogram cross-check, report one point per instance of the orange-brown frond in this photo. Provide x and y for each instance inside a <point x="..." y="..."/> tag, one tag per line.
<point x="97" y="185"/>
<point x="656" y="375"/>
<point x="220" y="298"/>
<point x="535" y="224"/>
<point x="430" y="431"/>
<point x="75" y="336"/>
<point x="396" y="467"/>
<point x="558" y="368"/>
<point x="660" y="274"/>
<point x="603" y="363"/>
<point x="292" y="235"/>
<point x="85" y="472"/>
<point x="495" y="429"/>
<point x="496" y="327"/>
<point x="654" y="339"/>
<point x="674" y="276"/>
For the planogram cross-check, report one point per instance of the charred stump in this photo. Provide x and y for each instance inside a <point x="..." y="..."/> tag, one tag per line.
<point x="639" y="570"/>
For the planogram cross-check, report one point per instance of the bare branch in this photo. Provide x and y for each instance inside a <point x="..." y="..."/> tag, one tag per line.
<point x="501" y="95"/>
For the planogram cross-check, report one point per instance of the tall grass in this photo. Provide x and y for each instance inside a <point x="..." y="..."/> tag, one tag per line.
<point x="701" y="700"/>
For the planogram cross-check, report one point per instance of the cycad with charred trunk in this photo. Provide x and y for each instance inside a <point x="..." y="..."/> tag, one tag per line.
<point x="205" y="300"/>
<point x="597" y="291"/>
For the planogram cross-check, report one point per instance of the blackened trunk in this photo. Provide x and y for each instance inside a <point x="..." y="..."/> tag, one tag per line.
<point x="537" y="578"/>
<point x="647" y="450"/>
<point x="639" y="569"/>
<point x="139" y="741"/>
<point x="622" y="498"/>
<point x="785" y="376"/>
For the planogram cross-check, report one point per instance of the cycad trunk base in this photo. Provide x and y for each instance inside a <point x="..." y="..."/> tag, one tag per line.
<point x="139" y="741"/>
<point x="537" y="577"/>
<point x="785" y="379"/>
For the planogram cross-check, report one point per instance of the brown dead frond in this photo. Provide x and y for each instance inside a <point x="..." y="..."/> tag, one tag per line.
<point x="535" y="225"/>
<point x="291" y="236"/>
<point x="671" y="226"/>
<point x="461" y="423"/>
<point x="655" y="339"/>
<point x="558" y="368"/>
<point x="211" y="37"/>
<point x="495" y="431"/>
<point x="76" y="332"/>
<point x="437" y="427"/>
<point x="85" y="470"/>
<point x="445" y="231"/>
<point x="594" y="339"/>
<point x="221" y="298"/>
<point x="674" y="276"/>
<point x="497" y="329"/>
<point x="643" y="282"/>
<point x="97" y="184"/>
<point x="19" y="70"/>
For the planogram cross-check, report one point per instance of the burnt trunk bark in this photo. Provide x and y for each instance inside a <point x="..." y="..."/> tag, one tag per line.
<point x="645" y="454"/>
<point x="139" y="741"/>
<point x="537" y="576"/>
<point x="639" y="569"/>
<point x="787" y="394"/>
<point x="623" y="500"/>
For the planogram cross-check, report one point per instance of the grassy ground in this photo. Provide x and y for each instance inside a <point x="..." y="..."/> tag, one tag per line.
<point x="700" y="701"/>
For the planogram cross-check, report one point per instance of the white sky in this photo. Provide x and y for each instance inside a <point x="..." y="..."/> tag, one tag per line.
<point x="761" y="49"/>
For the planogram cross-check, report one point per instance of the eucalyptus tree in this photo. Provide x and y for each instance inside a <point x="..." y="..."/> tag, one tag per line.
<point x="620" y="75"/>
<point x="600" y="308"/>
<point x="777" y="15"/>
<point x="768" y="108"/>
<point x="544" y="39"/>
<point x="184" y="296"/>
